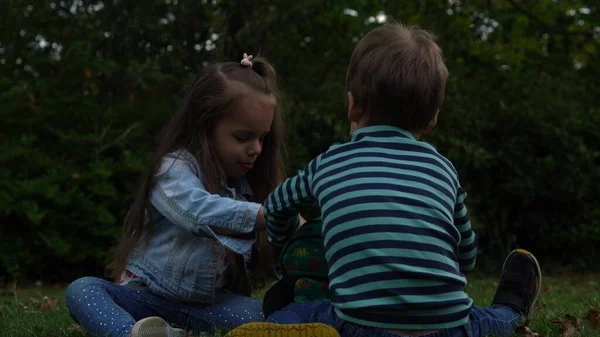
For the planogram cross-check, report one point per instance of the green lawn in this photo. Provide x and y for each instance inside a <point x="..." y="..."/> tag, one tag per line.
<point x="40" y="311"/>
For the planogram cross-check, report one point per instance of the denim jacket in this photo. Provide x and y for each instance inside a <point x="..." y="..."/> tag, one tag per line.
<point x="180" y="258"/>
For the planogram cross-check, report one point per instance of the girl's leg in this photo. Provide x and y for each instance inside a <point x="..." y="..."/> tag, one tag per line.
<point x="94" y="309"/>
<point x="103" y="308"/>
<point x="228" y="312"/>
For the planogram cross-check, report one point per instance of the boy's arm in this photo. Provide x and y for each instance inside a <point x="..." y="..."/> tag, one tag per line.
<point x="467" y="248"/>
<point x="283" y="205"/>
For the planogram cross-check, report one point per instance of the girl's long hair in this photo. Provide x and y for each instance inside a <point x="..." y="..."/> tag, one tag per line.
<point x="207" y="102"/>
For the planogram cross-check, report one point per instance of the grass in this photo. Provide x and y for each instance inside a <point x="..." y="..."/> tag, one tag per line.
<point x="39" y="311"/>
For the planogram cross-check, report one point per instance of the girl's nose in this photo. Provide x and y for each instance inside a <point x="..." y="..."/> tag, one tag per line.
<point x="255" y="148"/>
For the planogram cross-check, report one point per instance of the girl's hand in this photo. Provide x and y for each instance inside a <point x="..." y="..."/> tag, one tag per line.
<point x="260" y="224"/>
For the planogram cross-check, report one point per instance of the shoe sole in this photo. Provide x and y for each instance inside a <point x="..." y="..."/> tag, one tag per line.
<point x="539" y="270"/>
<point x="260" y="329"/>
<point x="155" y="327"/>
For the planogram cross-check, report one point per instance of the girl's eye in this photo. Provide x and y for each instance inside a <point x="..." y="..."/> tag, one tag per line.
<point x="240" y="138"/>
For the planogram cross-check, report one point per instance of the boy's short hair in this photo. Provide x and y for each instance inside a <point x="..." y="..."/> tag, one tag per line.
<point x="397" y="75"/>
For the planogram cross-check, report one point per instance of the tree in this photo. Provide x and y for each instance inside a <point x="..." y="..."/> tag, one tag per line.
<point x="85" y="88"/>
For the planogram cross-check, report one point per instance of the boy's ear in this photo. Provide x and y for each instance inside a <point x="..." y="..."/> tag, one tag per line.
<point x="432" y="123"/>
<point x="354" y="111"/>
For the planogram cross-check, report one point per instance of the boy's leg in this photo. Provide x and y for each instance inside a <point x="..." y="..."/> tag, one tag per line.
<point x="520" y="282"/>
<point x="515" y="296"/>
<point x="277" y="297"/>
<point x="103" y="308"/>
<point x="296" y="313"/>
<point x="497" y="320"/>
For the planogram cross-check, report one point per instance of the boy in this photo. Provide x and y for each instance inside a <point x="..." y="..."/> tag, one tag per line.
<point x="396" y="231"/>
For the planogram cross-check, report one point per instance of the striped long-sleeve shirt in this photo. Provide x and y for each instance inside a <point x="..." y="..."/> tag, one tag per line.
<point x="396" y="231"/>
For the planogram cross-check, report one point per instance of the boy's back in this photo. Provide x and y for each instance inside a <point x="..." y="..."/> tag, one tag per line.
<point x="395" y="230"/>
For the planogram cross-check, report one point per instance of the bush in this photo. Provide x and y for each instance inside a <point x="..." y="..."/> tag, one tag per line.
<point x="85" y="90"/>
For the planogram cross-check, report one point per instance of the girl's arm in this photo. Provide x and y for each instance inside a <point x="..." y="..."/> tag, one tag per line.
<point x="259" y="225"/>
<point x="179" y="195"/>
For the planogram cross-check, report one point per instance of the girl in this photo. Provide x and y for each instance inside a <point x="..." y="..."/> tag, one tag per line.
<point x="194" y="235"/>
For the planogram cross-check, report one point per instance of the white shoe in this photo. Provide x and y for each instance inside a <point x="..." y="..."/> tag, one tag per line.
<point x="155" y="327"/>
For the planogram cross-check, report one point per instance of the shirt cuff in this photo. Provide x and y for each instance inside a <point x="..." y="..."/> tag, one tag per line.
<point x="245" y="219"/>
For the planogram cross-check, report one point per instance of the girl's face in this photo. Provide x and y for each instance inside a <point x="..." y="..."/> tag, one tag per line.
<point x="238" y="137"/>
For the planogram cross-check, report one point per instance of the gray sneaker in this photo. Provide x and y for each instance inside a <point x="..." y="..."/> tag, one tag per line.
<point x="155" y="327"/>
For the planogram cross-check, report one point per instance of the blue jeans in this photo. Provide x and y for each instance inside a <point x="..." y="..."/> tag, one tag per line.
<point x="103" y="308"/>
<point x="496" y="320"/>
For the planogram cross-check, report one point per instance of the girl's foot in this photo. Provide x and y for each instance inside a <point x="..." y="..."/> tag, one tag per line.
<point x="155" y="327"/>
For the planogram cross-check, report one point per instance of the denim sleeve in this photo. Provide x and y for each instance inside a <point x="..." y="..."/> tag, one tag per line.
<point x="283" y="205"/>
<point x="178" y="194"/>
<point x="467" y="247"/>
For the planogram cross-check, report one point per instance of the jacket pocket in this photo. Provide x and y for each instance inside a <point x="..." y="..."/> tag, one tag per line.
<point x="199" y="267"/>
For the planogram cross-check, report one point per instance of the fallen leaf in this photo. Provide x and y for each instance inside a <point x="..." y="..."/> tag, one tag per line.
<point x="528" y="333"/>
<point x="593" y="317"/>
<point x="575" y="320"/>
<point x="76" y="327"/>
<point x="525" y="331"/>
<point x="50" y="303"/>
<point x="568" y="325"/>
<point x="540" y="306"/>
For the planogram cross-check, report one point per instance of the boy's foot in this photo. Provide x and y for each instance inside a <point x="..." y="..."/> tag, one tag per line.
<point x="155" y="327"/>
<point x="520" y="282"/>
<point x="260" y="329"/>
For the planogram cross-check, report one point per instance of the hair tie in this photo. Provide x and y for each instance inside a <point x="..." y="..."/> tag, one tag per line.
<point x="247" y="60"/>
